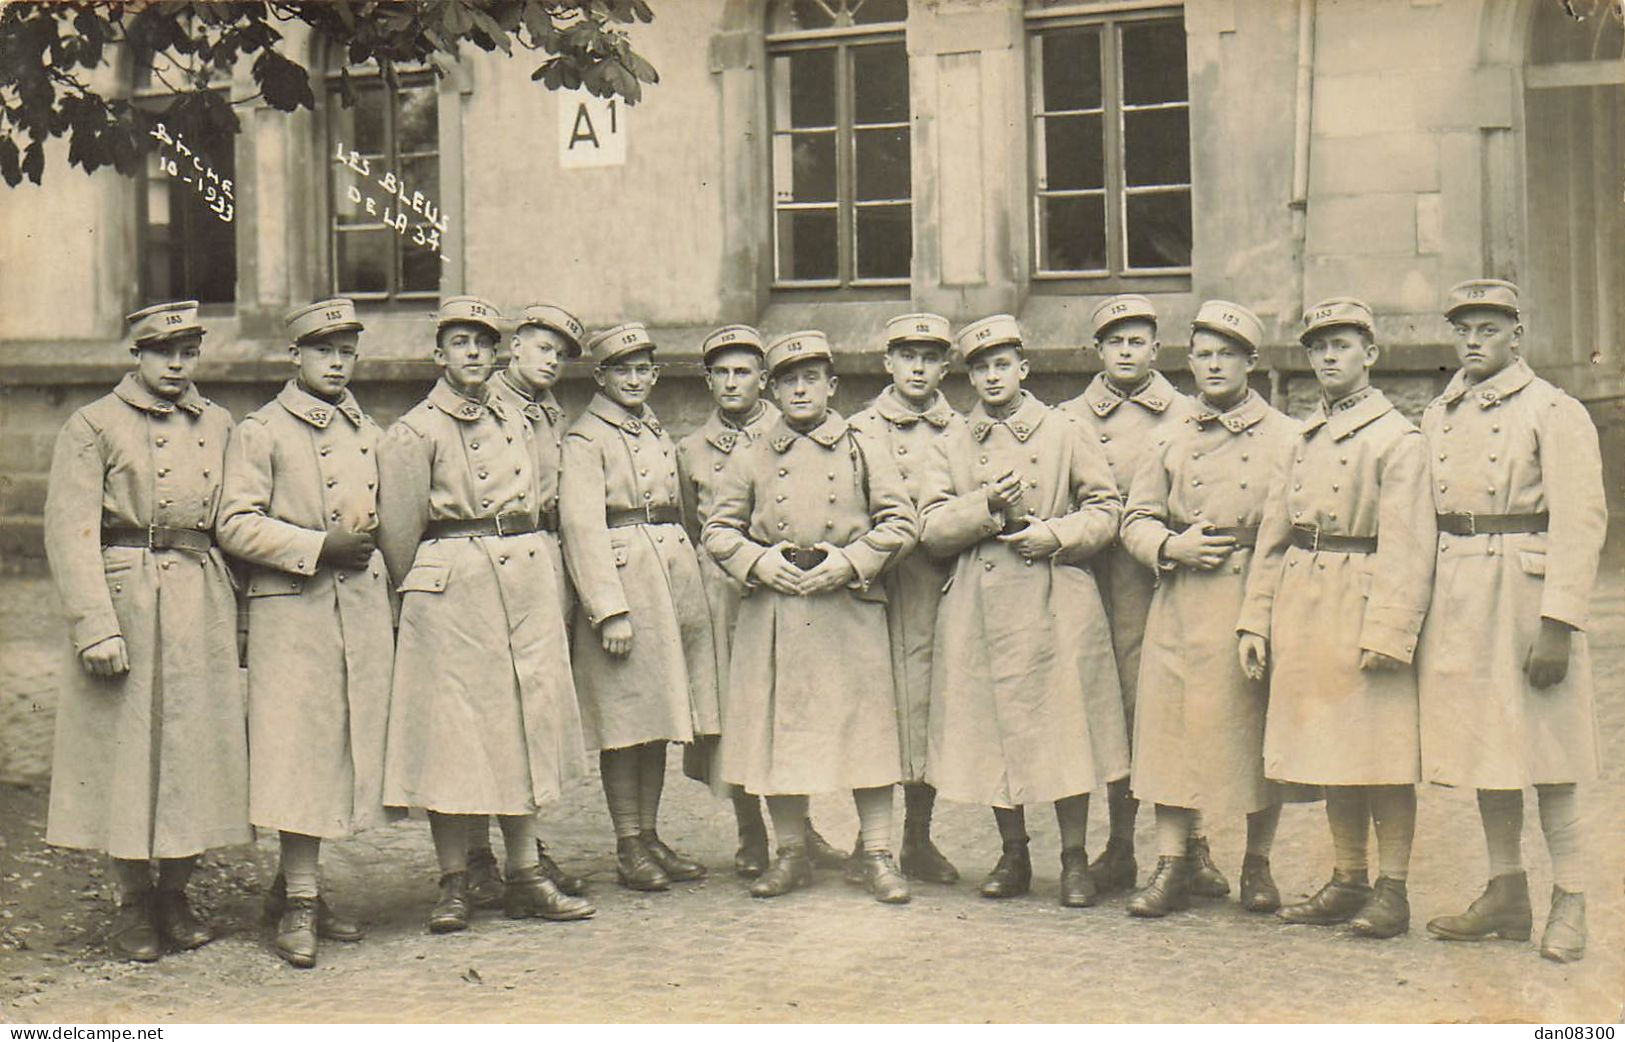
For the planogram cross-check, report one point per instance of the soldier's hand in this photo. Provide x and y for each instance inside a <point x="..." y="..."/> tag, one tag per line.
<point x="1004" y="492"/>
<point x="1548" y="661"/>
<point x="1254" y="652"/>
<point x="616" y="635"/>
<point x="832" y="573"/>
<point x="1035" y="541"/>
<point x="350" y="550"/>
<point x="777" y="574"/>
<point x="106" y="658"/>
<point x="1198" y="548"/>
<point x="1377" y="662"/>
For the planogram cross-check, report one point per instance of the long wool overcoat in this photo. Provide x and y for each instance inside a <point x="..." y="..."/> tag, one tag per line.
<point x="1199" y="729"/>
<point x="1512" y="444"/>
<point x="1025" y="701"/>
<point x="483" y="715"/>
<point x="810" y="697"/>
<point x="152" y="763"/>
<point x="546" y="418"/>
<point x="914" y="586"/>
<point x="666" y="689"/>
<point x="321" y="643"/>
<point x="1361" y="470"/>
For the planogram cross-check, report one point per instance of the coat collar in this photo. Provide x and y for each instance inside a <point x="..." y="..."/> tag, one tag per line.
<point x="1348" y="415"/>
<point x="1028" y="415"/>
<point x="535" y="407"/>
<point x="315" y="411"/>
<point x="724" y="437"/>
<point x="826" y="434"/>
<point x="889" y="405"/>
<point x="1155" y="393"/>
<point x="138" y="395"/>
<point x="616" y="416"/>
<point x="1504" y="384"/>
<point x="1239" y="417"/>
<point x="448" y="401"/>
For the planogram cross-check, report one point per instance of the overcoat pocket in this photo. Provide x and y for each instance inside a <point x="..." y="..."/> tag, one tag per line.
<point x="426" y="578"/>
<point x="1532" y="562"/>
<point x="275" y="584"/>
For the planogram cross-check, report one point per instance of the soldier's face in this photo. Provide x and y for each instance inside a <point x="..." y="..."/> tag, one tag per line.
<point x="466" y="354"/>
<point x="1220" y="366"/>
<point x="803" y="390"/>
<point x="538" y="354"/>
<point x="1342" y="357"/>
<point x="1127" y="350"/>
<point x="628" y="380"/>
<point x="326" y="365"/>
<point x="916" y="370"/>
<point x="736" y="379"/>
<point x="166" y="367"/>
<point x="997" y="373"/>
<point x="1486" y="341"/>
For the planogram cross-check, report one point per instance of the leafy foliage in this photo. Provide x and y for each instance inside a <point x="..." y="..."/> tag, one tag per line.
<point x="50" y="51"/>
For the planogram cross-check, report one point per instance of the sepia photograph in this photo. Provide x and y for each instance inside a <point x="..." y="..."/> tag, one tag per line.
<point x="812" y="512"/>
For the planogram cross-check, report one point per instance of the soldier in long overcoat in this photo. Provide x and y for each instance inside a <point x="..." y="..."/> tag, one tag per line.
<point x="151" y="758"/>
<point x="1131" y="409"/>
<point x="299" y="505"/>
<point x="1193" y="517"/>
<point x="1339" y="585"/>
<point x="483" y="716"/>
<point x="807" y="522"/>
<point x="546" y="336"/>
<point x="1504" y="668"/>
<point x="644" y="660"/>
<point x="1025" y="702"/>
<point x="906" y="419"/>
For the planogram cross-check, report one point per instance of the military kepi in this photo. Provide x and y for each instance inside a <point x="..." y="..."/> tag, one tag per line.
<point x="1337" y="311"/>
<point x="321" y="318"/>
<point x="619" y="341"/>
<point x="1230" y="319"/>
<point x="920" y="328"/>
<point x="730" y="337"/>
<point x="160" y="322"/>
<point x="1121" y="308"/>
<point x="795" y="347"/>
<point x="990" y="332"/>
<point x="469" y="309"/>
<point x="1482" y="293"/>
<point x="560" y="321"/>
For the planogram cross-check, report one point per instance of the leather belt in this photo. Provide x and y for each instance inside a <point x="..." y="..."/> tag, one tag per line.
<point x="1244" y="535"/>
<point x="804" y="557"/>
<point x="549" y="521"/>
<point x="654" y="514"/>
<point x="1492" y="524"/>
<point x="1310" y="537"/>
<point x="516" y="523"/>
<point x="159" y="537"/>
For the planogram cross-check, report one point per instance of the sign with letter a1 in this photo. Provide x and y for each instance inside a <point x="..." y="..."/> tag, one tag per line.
<point x="592" y="130"/>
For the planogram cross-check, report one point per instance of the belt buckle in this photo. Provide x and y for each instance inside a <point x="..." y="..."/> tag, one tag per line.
<point x="649" y="511"/>
<point x="1314" y="539"/>
<point x="152" y="538"/>
<point x="1472" y="521"/>
<point x="497" y="520"/>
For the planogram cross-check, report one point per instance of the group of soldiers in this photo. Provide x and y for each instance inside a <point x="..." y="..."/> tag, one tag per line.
<point x="1195" y="601"/>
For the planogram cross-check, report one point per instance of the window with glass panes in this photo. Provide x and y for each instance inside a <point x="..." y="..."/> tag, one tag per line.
<point x="185" y="216"/>
<point x="392" y="130"/>
<point x="1111" y="145"/>
<point x="842" y="174"/>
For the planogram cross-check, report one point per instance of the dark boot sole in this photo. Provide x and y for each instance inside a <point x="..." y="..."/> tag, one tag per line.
<point x="1563" y="955"/>
<point x="1375" y="934"/>
<point x="298" y="960"/>
<point x="553" y="917"/>
<point x="1004" y="895"/>
<point x="447" y="926"/>
<point x="1514" y="934"/>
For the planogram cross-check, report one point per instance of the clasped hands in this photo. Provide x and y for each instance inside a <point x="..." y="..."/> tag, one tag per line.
<point x="1004" y="495"/>
<point x="775" y="572"/>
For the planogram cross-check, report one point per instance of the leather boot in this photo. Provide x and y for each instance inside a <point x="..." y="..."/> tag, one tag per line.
<point x="530" y="893"/>
<point x="883" y="879"/>
<point x="1206" y="879"/>
<point x="637" y="868"/>
<point x="920" y="859"/>
<point x="1115" y="869"/>
<point x="854" y="872"/>
<point x="573" y="885"/>
<point x="450" y="913"/>
<point x="679" y="868"/>
<point x="132" y="935"/>
<point x="1258" y="890"/>
<point x="791" y="871"/>
<point x="819" y="851"/>
<point x="1012" y="876"/>
<point x="1168" y="890"/>
<point x="296" y="933"/>
<point x="1077" y="887"/>
<point x="750" y="860"/>
<point x="1387" y="914"/>
<point x="176" y="922"/>
<point x="330" y="925"/>
<point x="484" y="880"/>
<point x="1336" y="902"/>
<point x="1502" y="910"/>
<point x="1564" y="939"/>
